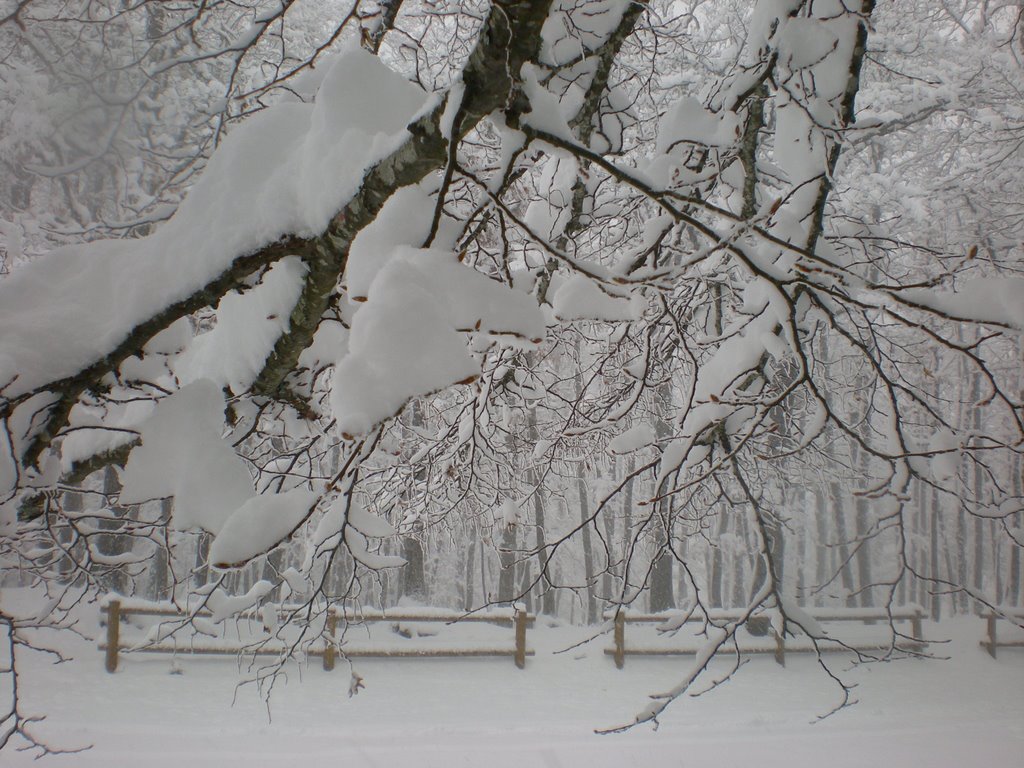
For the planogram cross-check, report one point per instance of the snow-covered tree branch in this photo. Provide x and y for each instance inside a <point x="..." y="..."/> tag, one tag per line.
<point x="581" y="303"/>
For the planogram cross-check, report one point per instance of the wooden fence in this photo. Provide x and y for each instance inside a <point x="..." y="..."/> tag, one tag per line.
<point x="114" y="612"/>
<point x="771" y="642"/>
<point x="991" y="641"/>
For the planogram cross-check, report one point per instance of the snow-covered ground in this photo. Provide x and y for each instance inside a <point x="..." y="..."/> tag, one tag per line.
<point x="484" y="712"/>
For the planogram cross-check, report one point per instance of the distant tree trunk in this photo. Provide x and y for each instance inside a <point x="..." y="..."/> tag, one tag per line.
<point x="201" y="570"/>
<point x="525" y="577"/>
<point x="414" y="583"/>
<point x="997" y="570"/>
<point x="467" y="581"/>
<point x="960" y="599"/>
<point x="627" y="527"/>
<point x="842" y="542"/>
<point x="1017" y="521"/>
<point x="821" y="574"/>
<point x="934" y="517"/>
<point x="951" y="564"/>
<point x="273" y="565"/>
<point x="116" y="542"/>
<point x="607" y="575"/>
<point x="716" y="568"/>
<point x="507" y="558"/>
<point x="414" y="577"/>
<point x="681" y="586"/>
<point x="588" y="554"/>
<point x="483" y="574"/>
<point x="159" y="581"/>
<point x="741" y="587"/>
<point x="978" y="489"/>
<point x="582" y="492"/>
<point x="662" y="597"/>
<point x="863" y="510"/>
<point x="777" y="550"/>
<point x="921" y="529"/>
<point x="547" y="595"/>
<point x="800" y="564"/>
<point x="1016" y="575"/>
<point x="72" y="502"/>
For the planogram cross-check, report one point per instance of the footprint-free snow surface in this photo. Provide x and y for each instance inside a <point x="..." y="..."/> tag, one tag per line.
<point x="160" y="712"/>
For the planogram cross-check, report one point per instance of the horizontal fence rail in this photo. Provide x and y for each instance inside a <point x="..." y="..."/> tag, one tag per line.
<point x="115" y="611"/>
<point x="764" y="639"/>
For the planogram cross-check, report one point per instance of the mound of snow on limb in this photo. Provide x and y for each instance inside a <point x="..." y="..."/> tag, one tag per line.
<point x="248" y="325"/>
<point x="580" y="298"/>
<point x="404" y="220"/>
<point x="986" y="299"/>
<point x="410" y="337"/>
<point x="182" y="455"/>
<point x="260" y="524"/>
<point x="633" y="439"/>
<point x="286" y="170"/>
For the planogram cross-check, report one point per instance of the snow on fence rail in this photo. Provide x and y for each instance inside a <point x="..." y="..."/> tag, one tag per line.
<point x="115" y="611"/>
<point x="760" y="637"/>
<point x="1014" y="616"/>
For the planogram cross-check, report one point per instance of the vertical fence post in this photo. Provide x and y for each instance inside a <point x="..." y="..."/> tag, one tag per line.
<point x="780" y="649"/>
<point x="332" y="626"/>
<point x="113" y="633"/>
<point x="620" y="638"/>
<point x="992" y="634"/>
<point x="916" y="625"/>
<point x="520" y="622"/>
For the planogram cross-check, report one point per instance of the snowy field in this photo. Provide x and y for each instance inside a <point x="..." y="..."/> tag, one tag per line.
<point x="968" y="710"/>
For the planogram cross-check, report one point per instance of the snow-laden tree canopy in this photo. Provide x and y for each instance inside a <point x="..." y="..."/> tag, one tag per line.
<point x="587" y="282"/>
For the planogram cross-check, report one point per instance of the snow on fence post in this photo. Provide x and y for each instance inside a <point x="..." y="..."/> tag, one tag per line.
<point x="113" y="633"/>
<point x="520" y="621"/>
<point x="329" y="650"/>
<point x="620" y="639"/>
